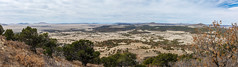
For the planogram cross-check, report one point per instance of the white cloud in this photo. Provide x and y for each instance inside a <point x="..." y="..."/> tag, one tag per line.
<point x="174" y="11"/>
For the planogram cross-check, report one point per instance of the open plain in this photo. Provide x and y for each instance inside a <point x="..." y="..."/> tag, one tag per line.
<point x="145" y="40"/>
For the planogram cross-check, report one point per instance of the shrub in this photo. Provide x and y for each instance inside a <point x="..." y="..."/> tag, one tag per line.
<point x="1" y="30"/>
<point x="140" y="65"/>
<point x="164" y="59"/>
<point x="148" y="61"/>
<point x="161" y="60"/>
<point x="186" y="57"/>
<point x="9" y="34"/>
<point x="219" y="45"/>
<point x="81" y="50"/>
<point x="30" y="37"/>
<point x="109" y="61"/>
<point x="49" y="47"/>
<point x="96" y="60"/>
<point x="125" y="59"/>
<point x="48" y="44"/>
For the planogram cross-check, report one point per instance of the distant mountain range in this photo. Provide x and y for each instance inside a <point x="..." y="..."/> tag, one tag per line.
<point x="23" y="23"/>
<point x="42" y="23"/>
<point x="199" y="24"/>
<point x="3" y="24"/>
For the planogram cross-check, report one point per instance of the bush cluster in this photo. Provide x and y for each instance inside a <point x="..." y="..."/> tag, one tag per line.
<point x="81" y="50"/>
<point x="1" y="30"/>
<point x="161" y="60"/>
<point x="31" y="37"/>
<point x="219" y="45"/>
<point x="124" y="59"/>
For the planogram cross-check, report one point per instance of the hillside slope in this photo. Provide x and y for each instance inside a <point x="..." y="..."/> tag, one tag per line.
<point x="18" y="54"/>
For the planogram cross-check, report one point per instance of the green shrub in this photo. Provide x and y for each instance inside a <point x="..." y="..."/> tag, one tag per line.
<point x="109" y="61"/>
<point x="9" y="34"/>
<point x="30" y="36"/>
<point x="81" y="50"/>
<point x="1" y="30"/>
<point x="148" y="61"/>
<point x="161" y="59"/>
<point x="140" y="65"/>
<point x="96" y="60"/>
<point x="48" y="44"/>
<point x="125" y="59"/>
<point x="186" y="57"/>
<point x="49" y="47"/>
<point x="164" y="59"/>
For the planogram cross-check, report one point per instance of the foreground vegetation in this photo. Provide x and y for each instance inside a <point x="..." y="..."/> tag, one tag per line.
<point x="219" y="45"/>
<point x="81" y="50"/>
<point x="161" y="60"/>
<point x="124" y="59"/>
<point x="1" y="30"/>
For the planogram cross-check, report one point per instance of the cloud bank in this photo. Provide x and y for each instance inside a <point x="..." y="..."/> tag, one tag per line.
<point x="106" y="11"/>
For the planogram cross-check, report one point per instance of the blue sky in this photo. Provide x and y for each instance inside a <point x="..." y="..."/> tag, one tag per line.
<point x="106" y="11"/>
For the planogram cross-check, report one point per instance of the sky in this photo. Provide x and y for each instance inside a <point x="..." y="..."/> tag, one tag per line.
<point x="112" y="11"/>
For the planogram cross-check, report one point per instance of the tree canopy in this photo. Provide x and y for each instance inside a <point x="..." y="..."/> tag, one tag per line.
<point x="161" y="60"/>
<point x="29" y="36"/>
<point x="1" y="30"/>
<point x="124" y="59"/>
<point x="81" y="50"/>
<point x="219" y="46"/>
<point x="9" y="34"/>
<point x="48" y="44"/>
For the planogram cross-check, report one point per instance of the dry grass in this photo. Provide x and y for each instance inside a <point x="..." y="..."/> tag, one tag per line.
<point x="18" y="54"/>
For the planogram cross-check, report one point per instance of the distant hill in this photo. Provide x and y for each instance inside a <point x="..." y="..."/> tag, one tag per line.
<point x="77" y="23"/>
<point x="3" y="24"/>
<point x="198" y="25"/>
<point x="42" y="23"/>
<point x="152" y="23"/>
<point x="23" y="23"/>
<point x="123" y="23"/>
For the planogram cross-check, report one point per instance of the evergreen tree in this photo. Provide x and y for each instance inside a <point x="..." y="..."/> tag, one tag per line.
<point x="1" y="30"/>
<point x="124" y="59"/>
<point x="30" y="36"/>
<point x="9" y="34"/>
<point x="164" y="59"/>
<point x="81" y="50"/>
